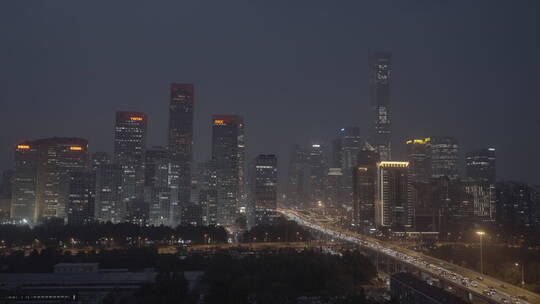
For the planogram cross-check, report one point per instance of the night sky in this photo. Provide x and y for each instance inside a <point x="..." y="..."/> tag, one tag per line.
<point x="296" y="71"/>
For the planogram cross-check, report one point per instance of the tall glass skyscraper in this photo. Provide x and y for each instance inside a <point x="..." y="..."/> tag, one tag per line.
<point x="364" y="186"/>
<point x="394" y="204"/>
<point x="480" y="165"/>
<point x="443" y="154"/>
<point x="156" y="185"/>
<point x="380" y="74"/>
<point x="129" y="150"/>
<point x="81" y="199"/>
<point x="228" y="157"/>
<point x="23" y="197"/>
<point x="58" y="158"/>
<point x="480" y="182"/>
<point x="419" y="161"/>
<point x="109" y="206"/>
<point x="180" y="144"/>
<point x="297" y="193"/>
<point x="317" y="176"/>
<point x="349" y="148"/>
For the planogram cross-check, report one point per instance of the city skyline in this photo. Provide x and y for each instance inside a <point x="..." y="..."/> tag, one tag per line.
<point x="375" y="151"/>
<point x="424" y="102"/>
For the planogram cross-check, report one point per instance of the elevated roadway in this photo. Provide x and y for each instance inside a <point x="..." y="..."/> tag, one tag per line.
<point x="481" y="288"/>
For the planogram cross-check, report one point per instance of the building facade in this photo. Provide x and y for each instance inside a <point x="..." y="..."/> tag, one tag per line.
<point x="23" y="198"/>
<point x="207" y="192"/>
<point x="394" y="204"/>
<point x="58" y="158"/>
<point x="156" y="186"/>
<point x="517" y="206"/>
<point x="380" y="75"/>
<point x="264" y="187"/>
<point x="180" y="139"/>
<point x="228" y="158"/>
<point x="419" y="161"/>
<point x="109" y="206"/>
<point x="317" y="176"/>
<point x="297" y="191"/>
<point x="443" y="154"/>
<point x="349" y="147"/>
<point x="364" y="190"/>
<point x="480" y="182"/>
<point x="81" y="200"/>
<point x="129" y="149"/>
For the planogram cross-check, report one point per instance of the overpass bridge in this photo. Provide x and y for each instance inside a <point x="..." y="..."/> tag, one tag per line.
<point x="464" y="282"/>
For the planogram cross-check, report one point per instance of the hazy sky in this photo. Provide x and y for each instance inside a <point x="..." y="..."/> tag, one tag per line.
<point x="296" y="70"/>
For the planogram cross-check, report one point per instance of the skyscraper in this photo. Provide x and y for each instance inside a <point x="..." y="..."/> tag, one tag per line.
<point x="394" y="204"/>
<point x="156" y="185"/>
<point x="333" y="188"/>
<point x="109" y="206"/>
<point x="516" y="206"/>
<point x="6" y="182"/>
<point x="364" y="186"/>
<point x="58" y="158"/>
<point x="264" y="188"/>
<point x="480" y="165"/>
<point x="180" y="146"/>
<point x="80" y="207"/>
<point x="23" y="198"/>
<point x="480" y="181"/>
<point x="227" y="155"/>
<point x="443" y="154"/>
<point x="129" y="150"/>
<point x="317" y="175"/>
<point x="298" y="177"/>
<point x="349" y="148"/>
<point x="380" y="74"/>
<point x="419" y="161"/>
<point x="98" y="159"/>
<point x="207" y="188"/>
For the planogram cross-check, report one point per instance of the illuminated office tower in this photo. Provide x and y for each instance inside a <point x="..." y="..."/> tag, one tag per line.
<point x="264" y="186"/>
<point x="207" y="187"/>
<point x="80" y="207"/>
<point x="129" y="150"/>
<point x="349" y="147"/>
<point x="443" y="154"/>
<point x="156" y="185"/>
<point x="180" y="144"/>
<point x="419" y="161"/>
<point x="380" y="74"/>
<point x="333" y="188"/>
<point x="517" y="206"/>
<point x="480" y="165"/>
<point x="364" y="186"/>
<point x="109" y="206"/>
<point x="99" y="158"/>
<point x="317" y="175"/>
<point x="297" y="193"/>
<point x="242" y="192"/>
<point x="394" y="204"/>
<point x="23" y="197"/>
<point x="5" y="194"/>
<point x="480" y="181"/>
<point x="58" y="158"/>
<point x="227" y="155"/>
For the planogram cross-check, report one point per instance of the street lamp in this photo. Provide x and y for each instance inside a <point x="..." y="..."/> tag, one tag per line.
<point x="481" y="235"/>
<point x="522" y="273"/>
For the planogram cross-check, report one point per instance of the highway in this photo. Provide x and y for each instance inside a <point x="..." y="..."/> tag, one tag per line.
<point x="487" y="287"/>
